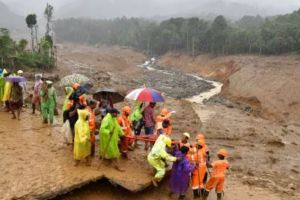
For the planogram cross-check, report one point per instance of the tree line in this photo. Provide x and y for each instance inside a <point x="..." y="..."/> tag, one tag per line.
<point x="250" y="35"/>
<point x="15" y="53"/>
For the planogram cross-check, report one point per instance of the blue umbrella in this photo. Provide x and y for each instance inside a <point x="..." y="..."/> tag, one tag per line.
<point x="16" y="79"/>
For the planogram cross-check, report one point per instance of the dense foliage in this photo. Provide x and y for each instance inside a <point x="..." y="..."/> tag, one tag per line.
<point x="14" y="53"/>
<point x="275" y="35"/>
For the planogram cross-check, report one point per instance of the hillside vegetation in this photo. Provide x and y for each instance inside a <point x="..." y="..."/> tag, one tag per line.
<point x="274" y="35"/>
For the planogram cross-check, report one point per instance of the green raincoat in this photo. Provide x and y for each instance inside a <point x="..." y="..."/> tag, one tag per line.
<point x="82" y="144"/>
<point x="48" y="104"/>
<point x="137" y="113"/>
<point x="109" y="125"/>
<point x="158" y="154"/>
<point x="68" y="91"/>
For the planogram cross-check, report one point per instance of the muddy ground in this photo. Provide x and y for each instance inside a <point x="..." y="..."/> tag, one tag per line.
<point x="36" y="164"/>
<point x="267" y="84"/>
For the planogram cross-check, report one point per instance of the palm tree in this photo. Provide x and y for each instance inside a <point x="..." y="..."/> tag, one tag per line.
<point x="31" y="23"/>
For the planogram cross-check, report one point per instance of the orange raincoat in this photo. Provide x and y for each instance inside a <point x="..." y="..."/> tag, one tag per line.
<point x="164" y="115"/>
<point x="199" y="158"/>
<point x="125" y="124"/>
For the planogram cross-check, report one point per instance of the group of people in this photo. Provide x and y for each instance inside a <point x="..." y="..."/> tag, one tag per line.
<point x="120" y="132"/>
<point x="117" y="130"/>
<point x="44" y="98"/>
<point x="12" y="93"/>
<point x="191" y="163"/>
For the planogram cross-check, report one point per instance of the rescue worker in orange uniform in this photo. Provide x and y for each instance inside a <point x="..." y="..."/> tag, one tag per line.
<point x="198" y="157"/>
<point x="125" y="124"/>
<point x="185" y="140"/>
<point x="217" y="178"/>
<point x="164" y="115"/>
<point x="201" y="136"/>
<point x="92" y="124"/>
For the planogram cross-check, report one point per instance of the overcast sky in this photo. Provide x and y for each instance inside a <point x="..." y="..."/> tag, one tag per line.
<point x="151" y="7"/>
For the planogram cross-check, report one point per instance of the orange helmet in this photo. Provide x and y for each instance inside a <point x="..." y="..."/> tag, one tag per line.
<point x="201" y="142"/>
<point x="126" y="109"/>
<point x="200" y="136"/>
<point x="164" y="112"/>
<point x="223" y="152"/>
<point x="75" y="86"/>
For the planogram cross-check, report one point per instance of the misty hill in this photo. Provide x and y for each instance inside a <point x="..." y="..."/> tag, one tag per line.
<point x="10" y="20"/>
<point x="164" y="9"/>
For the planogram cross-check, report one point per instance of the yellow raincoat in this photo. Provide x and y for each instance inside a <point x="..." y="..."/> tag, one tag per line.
<point x="82" y="144"/>
<point x="7" y="91"/>
<point x="2" y="83"/>
<point x="158" y="155"/>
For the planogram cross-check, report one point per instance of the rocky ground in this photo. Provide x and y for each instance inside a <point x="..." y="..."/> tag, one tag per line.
<point x="36" y="163"/>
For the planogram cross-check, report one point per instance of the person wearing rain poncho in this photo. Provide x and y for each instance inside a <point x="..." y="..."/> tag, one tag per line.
<point x="158" y="156"/>
<point x="7" y="92"/>
<point x="48" y="104"/>
<point x="110" y="132"/>
<point x="136" y="118"/>
<point x="2" y="82"/>
<point x="68" y="92"/>
<point x="82" y="144"/>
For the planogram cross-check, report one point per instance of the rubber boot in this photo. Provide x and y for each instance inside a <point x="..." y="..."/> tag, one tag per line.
<point x="201" y="192"/>
<point x="33" y="108"/>
<point x="205" y="195"/>
<point x="196" y="194"/>
<point x="219" y="196"/>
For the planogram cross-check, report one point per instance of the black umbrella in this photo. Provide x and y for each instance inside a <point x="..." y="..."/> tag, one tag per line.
<point x="86" y="88"/>
<point x="115" y="96"/>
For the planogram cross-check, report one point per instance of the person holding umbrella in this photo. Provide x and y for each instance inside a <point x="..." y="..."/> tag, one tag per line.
<point x="149" y="121"/>
<point x="105" y="104"/>
<point x="110" y="132"/>
<point x="136" y="118"/>
<point x="151" y="96"/>
<point x="16" y="100"/>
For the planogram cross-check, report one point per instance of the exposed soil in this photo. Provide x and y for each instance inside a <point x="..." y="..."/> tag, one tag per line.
<point x="36" y="164"/>
<point x="268" y="85"/>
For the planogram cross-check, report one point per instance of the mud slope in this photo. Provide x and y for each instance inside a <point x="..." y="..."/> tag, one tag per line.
<point x="269" y="85"/>
<point x="36" y="164"/>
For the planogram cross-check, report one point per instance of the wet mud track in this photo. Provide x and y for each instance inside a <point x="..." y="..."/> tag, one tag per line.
<point x="36" y="164"/>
